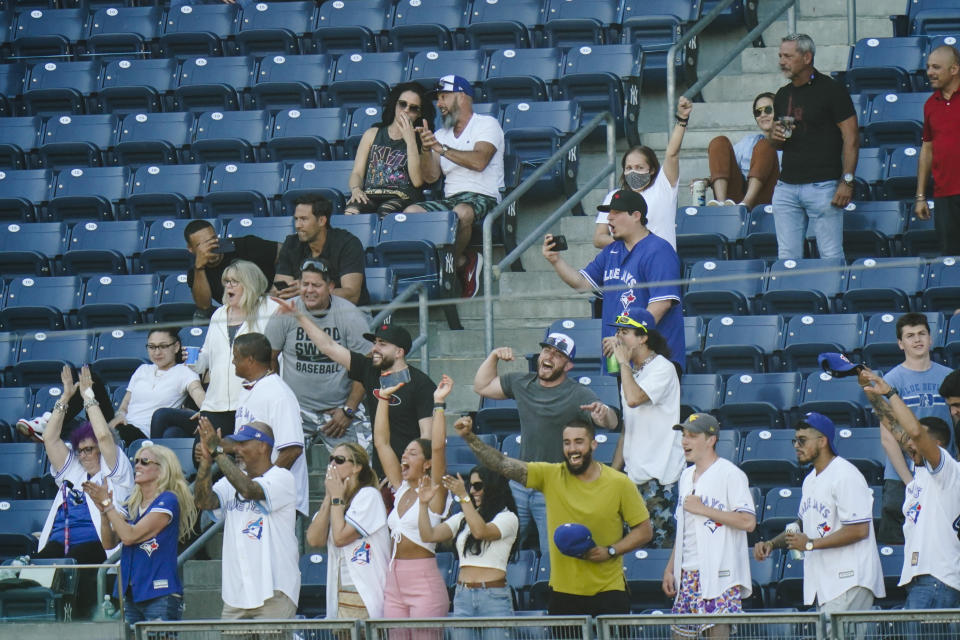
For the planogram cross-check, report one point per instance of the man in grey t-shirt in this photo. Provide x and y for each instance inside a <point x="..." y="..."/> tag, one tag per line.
<point x="330" y="403"/>
<point x="547" y="401"/>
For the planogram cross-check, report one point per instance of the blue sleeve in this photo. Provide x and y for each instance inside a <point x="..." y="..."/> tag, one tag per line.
<point x="594" y="271"/>
<point x="663" y="265"/>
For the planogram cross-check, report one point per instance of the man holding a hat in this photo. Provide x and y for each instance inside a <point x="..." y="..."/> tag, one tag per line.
<point x="639" y="269"/>
<point x="546" y="401"/>
<point x="841" y="566"/>
<point x="261" y="577"/>
<point x="468" y="153"/>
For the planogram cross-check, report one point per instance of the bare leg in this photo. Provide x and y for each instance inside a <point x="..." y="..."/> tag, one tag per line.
<point x="465" y="216"/>
<point x="720" y="189"/>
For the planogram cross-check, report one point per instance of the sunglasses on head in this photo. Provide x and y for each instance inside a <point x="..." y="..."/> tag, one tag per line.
<point x="340" y="459"/>
<point x="476" y="486"/>
<point x="408" y="106"/>
<point x="314" y="265"/>
<point x="762" y="110"/>
<point x="627" y="320"/>
<point x="145" y="462"/>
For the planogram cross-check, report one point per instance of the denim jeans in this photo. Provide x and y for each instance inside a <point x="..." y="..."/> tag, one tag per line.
<point x="926" y="592"/>
<point x="531" y="505"/>
<point x="471" y="603"/>
<point x="794" y="205"/>
<point x="163" y="608"/>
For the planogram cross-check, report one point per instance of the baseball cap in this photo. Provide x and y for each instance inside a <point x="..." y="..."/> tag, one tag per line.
<point x="394" y="334"/>
<point x="699" y="423"/>
<point x="573" y="539"/>
<point x="562" y="343"/>
<point x="838" y="365"/>
<point x="247" y="432"/>
<point x="636" y="318"/>
<point x="453" y="84"/>
<point x="823" y="424"/>
<point x="625" y="200"/>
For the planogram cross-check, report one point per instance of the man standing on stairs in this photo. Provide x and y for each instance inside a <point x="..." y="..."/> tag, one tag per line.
<point x="941" y="139"/>
<point x="817" y="130"/>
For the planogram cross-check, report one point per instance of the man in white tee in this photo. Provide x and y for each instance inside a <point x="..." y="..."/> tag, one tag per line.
<point x="841" y="566"/>
<point x="714" y="514"/>
<point x="649" y="451"/>
<point x="468" y="153"/>
<point x="261" y="577"/>
<point x="931" y="551"/>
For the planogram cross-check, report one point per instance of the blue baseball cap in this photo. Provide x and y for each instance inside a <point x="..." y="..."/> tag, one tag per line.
<point x="248" y="432"/>
<point x="562" y="343"/>
<point x="573" y="539"/>
<point x="638" y="318"/>
<point x="823" y="424"/>
<point x="838" y="365"/>
<point x="453" y="84"/>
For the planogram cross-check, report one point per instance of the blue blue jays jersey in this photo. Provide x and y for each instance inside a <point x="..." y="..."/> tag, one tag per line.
<point x="149" y="567"/>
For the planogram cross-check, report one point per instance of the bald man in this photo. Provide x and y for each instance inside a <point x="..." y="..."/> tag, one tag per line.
<point x="941" y="139"/>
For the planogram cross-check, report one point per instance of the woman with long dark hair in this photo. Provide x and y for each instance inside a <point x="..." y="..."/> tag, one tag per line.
<point x="386" y="174"/>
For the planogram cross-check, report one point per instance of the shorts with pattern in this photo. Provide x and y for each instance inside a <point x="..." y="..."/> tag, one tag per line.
<point x="661" y="500"/>
<point x="689" y="600"/>
<point x="482" y="204"/>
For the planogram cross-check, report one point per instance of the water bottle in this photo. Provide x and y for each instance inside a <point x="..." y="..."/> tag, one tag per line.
<point x="793" y="527"/>
<point x="109" y="611"/>
<point x="699" y="192"/>
<point x="613" y="365"/>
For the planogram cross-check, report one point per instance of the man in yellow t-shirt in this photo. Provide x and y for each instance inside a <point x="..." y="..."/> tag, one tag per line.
<point x="579" y="490"/>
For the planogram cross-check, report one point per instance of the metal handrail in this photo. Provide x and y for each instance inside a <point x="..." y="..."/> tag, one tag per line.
<point x="423" y="309"/>
<point x="197" y="544"/>
<point x="495" y="270"/>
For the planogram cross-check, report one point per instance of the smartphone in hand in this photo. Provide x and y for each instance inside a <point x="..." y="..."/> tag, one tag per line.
<point x="559" y="243"/>
<point x="394" y="378"/>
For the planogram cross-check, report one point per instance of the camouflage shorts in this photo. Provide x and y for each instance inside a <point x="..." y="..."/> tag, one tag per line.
<point x="661" y="503"/>
<point x="481" y="203"/>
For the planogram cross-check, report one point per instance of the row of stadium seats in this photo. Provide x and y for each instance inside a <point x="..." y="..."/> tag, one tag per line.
<point x="895" y="64"/>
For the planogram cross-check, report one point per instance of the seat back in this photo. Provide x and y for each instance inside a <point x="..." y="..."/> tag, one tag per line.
<point x="40" y="303"/>
<point x="276" y="229"/>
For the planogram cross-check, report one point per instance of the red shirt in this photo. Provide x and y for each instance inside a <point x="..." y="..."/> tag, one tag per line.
<point x="941" y="126"/>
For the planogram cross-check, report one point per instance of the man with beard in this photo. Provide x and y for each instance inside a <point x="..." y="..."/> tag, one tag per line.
<point x="580" y="490"/>
<point x="329" y="401"/>
<point x="468" y="153"/>
<point x="411" y="406"/>
<point x="546" y="400"/>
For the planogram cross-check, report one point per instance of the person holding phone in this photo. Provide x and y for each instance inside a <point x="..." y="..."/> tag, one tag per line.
<point x="386" y="174"/>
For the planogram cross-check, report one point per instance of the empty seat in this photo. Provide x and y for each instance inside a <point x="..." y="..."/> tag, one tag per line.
<point x="276" y="229"/>
<point x="700" y="392"/>
<point x="43" y="354"/>
<point x="11" y="85"/>
<point x="656" y="25"/>
<point x="330" y="179"/>
<point x="895" y="119"/>
<point x="885" y="64"/>
<point x="40" y="303"/>
<point x="197" y="29"/>
<point x="780" y="508"/>
<point x="123" y="299"/>
<point x="242" y="189"/>
<point x="643" y="570"/>
<point x="18" y="137"/>
<point x="880" y="348"/>
<point x="427" y="66"/>
<point x="313" y="585"/>
<point x="605" y="78"/>
<point x="802" y="285"/>
<point x="118" y="30"/>
<point x="21" y="462"/>
<point x="153" y="138"/>
<point x="48" y="33"/>
<point x="769" y="459"/>
<point x="709" y="232"/>
<point x="21" y="520"/>
<point x="362" y="78"/>
<point x="416" y="248"/>
<point x="579" y="22"/>
<point x="361" y="119"/>
<point x="103" y="247"/>
<point x="165" y="191"/>
<point x="900" y="180"/>
<point x="759" y="399"/>
<point x="807" y="336"/>
<point x="760" y="240"/>
<point x="870" y="229"/>
<point x="137" y="86"/>
<point x="291" y="81"/>
<point x="840" y="399"/>
<point x="501" y="417"/>
<point x="306" y="134"/>
<point x="274" y="26"/>
<point x="933" y="17"/>
<point x="53" y="88"/>
<point x="723" y="287"/>
<point x="942" y="290"/>
<point x="522" y="74"/>
<point x="882" y="284"/>
<point x="863" y="449"/>
<point x="498" y="25"/>
<point x="15" y="402"/>
<point x="22" y="191"/>
<point x="176" y="300"/>
<point x="920" y="238"/>
<point x="77" y="141"/>
<point x="426" y="26"/>
<point x="348" y="27"/>
<point x="740" y="343"/>
<point x="586" y="334"/>
<point x="120" y="350"/>
<point x="88" y="193"/>
<point x="951" y="347"/>
<point x="232" y="136"/>
<point x="31" y="249"/>
<point x="533" y="132"/>
<point x="213" y="83"/>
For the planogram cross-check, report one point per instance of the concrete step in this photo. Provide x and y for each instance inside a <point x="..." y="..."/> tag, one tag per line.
<point x="875" y="8"/>
<point x="580" y="252"/>
<point x="741" y="88"/>
<point x="202" y="573"/>
<point x="202" y="604"/>
<point x="764" y="60"/>
<point x="697" y="140"/>
<point x="830" y="30"/>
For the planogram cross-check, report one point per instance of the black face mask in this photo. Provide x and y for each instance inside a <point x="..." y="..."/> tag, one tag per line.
<point x="636" y="180"/>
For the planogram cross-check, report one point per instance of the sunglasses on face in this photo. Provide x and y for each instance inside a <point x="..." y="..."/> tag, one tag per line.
<point x="767" y="110"/>
<point x="476" y="486"/>
<point x="340" y="459"/>
<point x="145" y="462"/>
<point x="802" y="442"/>
<point x="407" y="106"/>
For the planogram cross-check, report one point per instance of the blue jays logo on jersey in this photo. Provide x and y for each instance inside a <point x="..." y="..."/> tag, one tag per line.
<point x="361" y="554"/>
<point x="823" y="529"/>
<point x="254" y="529"/>
<point x="712" y="525"/>
<point x="913" y="512"/>
<point x="627" y="298"/>
<point x="149" y="546"/>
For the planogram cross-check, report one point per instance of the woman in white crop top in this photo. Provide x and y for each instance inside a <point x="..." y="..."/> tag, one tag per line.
<point x="414" y="587"/>
<point x="485" y="532"/>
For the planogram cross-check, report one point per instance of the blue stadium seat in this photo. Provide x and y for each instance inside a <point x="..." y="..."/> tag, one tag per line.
<point x="765" y="575"/>
<point x="15" y="402"/>
<point x="500" y="417"/>
<point x="362" y="78"/>
<point x="274" y="27"/>
<point x="535" y="131"/>
<point x="77" y="141"/>
<point x="723" y="287"/>
<point x="882" y="284"/>
<point x="43" y="354"/>
<point x="728" y="447"/>
<point x="870" y="172"/>
<point x="365" y="226"/>
<point x="242" y="189"/>
<point x="120" y="350"/>
<point x="213" y="83"/>
<point x="54" y="88"/>
<point x="900" y="180"/>
<point x="870" y="229"/>
<point x="802" y="286"/>
<point x="759" y="399"/>
<point x="417" y="246"/>
<point x="426" y="26"/>
<point x="31" y="249"/>
<point x="447" y="564"/>
<point x="182" y="447"/>
<point x="193" y="336"/>
<point x="21" y="520"/>
<point x="166" y="249"/>
<point x="522" y="74"/>
<point x="769" y="459"/>
<point x="306" y="134"/>
<point x="232" y="136"/>
<point x="165" y="191"/>
<point x="605" y="387"/>
<point x="880" y="348"/>
<point x="840" y="399"/>
<point x="350" y="27"/>
<point x="693" y="330"/>
<point x="741" y="343"/>
<point x="381" y="284"/>
<point x="942" y="290"/>
<point x="361" y="119"/>
<point x="605" y="78"/>
<point x="11" y="85"/>
<point x="198" y="29"/>
<point x="807" y="336"/>
<point x="781" y="507"/>
<point x="18" y="137"/>
<point x="933" y="17"/>
<point x="88" y="193"/>
<point x="760" y="239"/>
<point x="700" y="392"/>
<point x="9" y="343"/>
<point x="48" y="33"/>
<point x="863" y="449"/>
<point x="586" y="334"/>
<point x="606" y="447"/>
<point x="136" y="86"/>
<point x="427" y="66"/>
<point x="643" y="570"/>
<point x="510" y="446"/>
<point x="951" y="347"/>
<point x="500" y="25"/>
<point x="891" y="561"/>
<point x="522" y="573"/>
<point x="330" y="179"/>
<point x="709" y="232"/>
<point x="176" y="300"/>
<point x="656" y="25"/>
<point x="569" y="23"/>
<point x="153" y="138"/>
<point x="112" y="300"/>
<point x="291" y="81"/>
<point x="920" y="238"/>
<point x="124" y="30"/>
<point x="21" y="193"/>
<point x="276" y="229"/>
<point x="313" y="585"/>
<point x="885" y="64"/>
<point x="21" y="462"/>
<point x="40" y="303"/>
<point x="103" y="247"/>
<point x="895" y="119"/>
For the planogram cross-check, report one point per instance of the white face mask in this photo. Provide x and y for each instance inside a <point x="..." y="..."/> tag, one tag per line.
<point x="637" y="180"/>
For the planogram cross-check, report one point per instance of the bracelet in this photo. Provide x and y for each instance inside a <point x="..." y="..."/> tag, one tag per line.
<point x="920" y="197"/>
<point x="439" y="405"/>
<point x="681" y="123"/>
<point x="59" y="406"/>
<point x="679" y="119"/>
<point x="92" y="402"/>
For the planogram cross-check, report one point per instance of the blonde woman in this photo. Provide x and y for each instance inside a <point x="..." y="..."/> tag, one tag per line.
<point x="246" y="309"/>
<point x="352" y="524"/>
<point x="159" y="512"/>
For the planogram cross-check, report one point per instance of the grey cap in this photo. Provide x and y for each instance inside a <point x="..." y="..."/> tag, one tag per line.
<point x="699" y="423"/>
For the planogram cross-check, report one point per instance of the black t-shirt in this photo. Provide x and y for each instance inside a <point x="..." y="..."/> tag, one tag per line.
<point x="411" y="402"/>
<point x="342" y="250"/>
<point x="262" y="253"/>
<point x="814" y="153"/>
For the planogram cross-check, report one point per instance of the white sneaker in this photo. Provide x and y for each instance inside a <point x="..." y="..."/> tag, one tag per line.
<point x="33" y="427"/>
<point x="729" y="203"/>
<point x="714" y="203"/>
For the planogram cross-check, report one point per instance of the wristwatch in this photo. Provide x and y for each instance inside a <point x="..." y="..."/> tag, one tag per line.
<point x="347" y="410"/>
<point x="459" y="499"/>
<point x="217" y="451"/>
<point x="891" y="393"/>
<point x="336" y="501"/>
<point x="848" y="179"/>
<point x="611" y="551"/>
<point x="809" y="545"/>
<point x="443" y="150"/>
<point x="106" y="502"/>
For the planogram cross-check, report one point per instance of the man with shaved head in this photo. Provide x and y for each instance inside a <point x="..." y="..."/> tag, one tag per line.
<point x="941" y="139"/>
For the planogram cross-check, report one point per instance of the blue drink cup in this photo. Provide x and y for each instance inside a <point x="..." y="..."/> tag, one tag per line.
<point x="193" y="353"/>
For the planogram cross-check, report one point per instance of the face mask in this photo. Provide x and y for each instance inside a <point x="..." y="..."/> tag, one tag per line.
<point x="636" y="180"/>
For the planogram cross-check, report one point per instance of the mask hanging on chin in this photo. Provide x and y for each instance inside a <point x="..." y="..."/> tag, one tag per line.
<point x="636" y="180"/>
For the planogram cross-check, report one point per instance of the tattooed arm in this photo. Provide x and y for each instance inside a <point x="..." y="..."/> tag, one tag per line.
<point x="490" y="457"/>
<point x="901" y="416"/>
